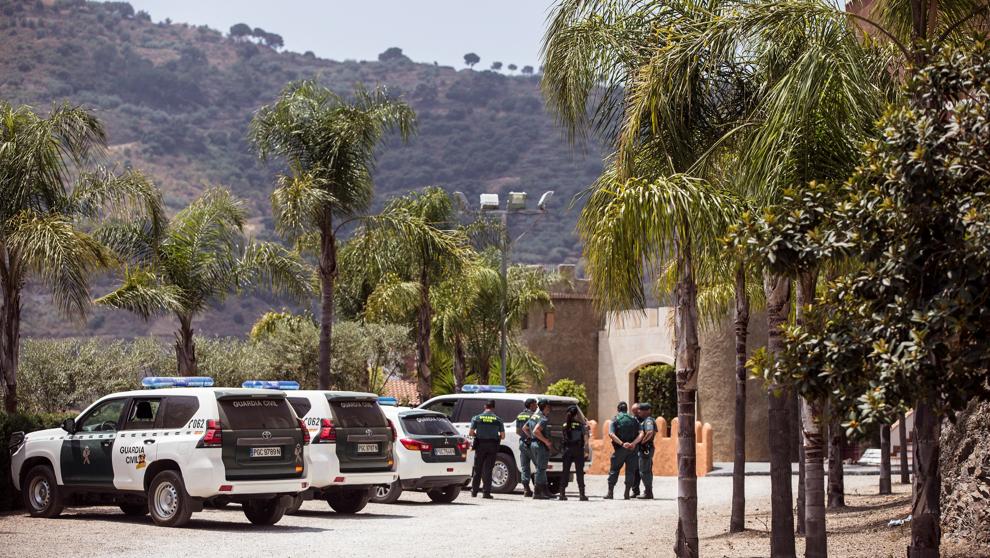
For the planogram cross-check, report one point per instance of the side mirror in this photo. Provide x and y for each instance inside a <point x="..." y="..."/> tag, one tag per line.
<point x="69" y="425"/>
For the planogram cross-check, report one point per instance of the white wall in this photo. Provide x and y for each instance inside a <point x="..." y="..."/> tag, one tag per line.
<point x="631" y="339"/>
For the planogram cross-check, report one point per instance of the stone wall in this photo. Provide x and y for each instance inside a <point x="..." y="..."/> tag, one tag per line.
<point x="965" y="467"/>
<point x="665" y="449"/>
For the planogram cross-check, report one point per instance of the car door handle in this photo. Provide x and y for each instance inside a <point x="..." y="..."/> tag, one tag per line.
<point x="108" y="443"/>
<point x="149" y="441"/>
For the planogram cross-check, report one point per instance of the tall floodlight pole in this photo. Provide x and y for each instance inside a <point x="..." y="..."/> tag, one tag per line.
<point x="516" y="203"/>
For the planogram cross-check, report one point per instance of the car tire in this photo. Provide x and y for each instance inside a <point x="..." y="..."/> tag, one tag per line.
<point x="505" y="474"/>
<point x="264" y="512"/>
<point x="386" y="493"/>
<point x="349" y="501"/>
<point x="134" y="510"/>
<point x="444" y="495"/>
<point x="42" y="496"/>
<point x="168" y="502"/>
<point x="297" y="502"/>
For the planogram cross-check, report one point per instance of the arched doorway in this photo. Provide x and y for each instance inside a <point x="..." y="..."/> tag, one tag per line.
<point x="636" y="387"/>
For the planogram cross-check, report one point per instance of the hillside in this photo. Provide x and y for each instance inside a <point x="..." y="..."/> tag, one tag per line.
<point x="177" y="99"/>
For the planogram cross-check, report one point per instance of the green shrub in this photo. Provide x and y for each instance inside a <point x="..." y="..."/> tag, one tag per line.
<point x="570" y="388"/>
<point x="657" y="385"/>
<point x="9" y="498"/>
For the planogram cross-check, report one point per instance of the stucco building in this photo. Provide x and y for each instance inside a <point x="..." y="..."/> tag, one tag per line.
<point x="604" y="354"/>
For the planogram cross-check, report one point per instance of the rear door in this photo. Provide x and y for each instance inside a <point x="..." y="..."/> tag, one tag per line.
<point x="364" y="439"/>
<point x="436" y="430"/>
<point x="557" y="414"/>
<point x="137" y="443"/>
<point x="261" y="437"/>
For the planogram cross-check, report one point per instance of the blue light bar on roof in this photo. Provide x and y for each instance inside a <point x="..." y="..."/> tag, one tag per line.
<point x="156" y="382"/>
<point x="390" y="401"/>
<point x="271" y="384"/>
<point x="478" y="388"/>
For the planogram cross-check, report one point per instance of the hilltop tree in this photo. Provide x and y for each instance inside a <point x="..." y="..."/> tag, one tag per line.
<point x="496" y="66"/>
<point x="240" y="30"/>
<point x="392" y="54"/>
<point x="512" y="67"/>
<point x="328" y="142"/>
<point x="51" y="198"/>
<point x="471" y="59"/>
<point x="528" y="70"/>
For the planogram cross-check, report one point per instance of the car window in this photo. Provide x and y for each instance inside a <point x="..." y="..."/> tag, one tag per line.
<point x="558" y="412"/>
<point x="142" y="414"/>
<point x="104" y="417"/>
<point x="300" y="405"/>
<point x="469" y="408"/>
<point x="257" y="414"/>
<point x="355" y="414"/>
<point x="178" y="410"/>
<point x="508" y="409"/>
<point x="428" y="425"/>
<point x="445" y="406"/>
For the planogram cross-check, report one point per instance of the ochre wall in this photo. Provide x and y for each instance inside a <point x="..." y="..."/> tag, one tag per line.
<point x="665" y="454"/>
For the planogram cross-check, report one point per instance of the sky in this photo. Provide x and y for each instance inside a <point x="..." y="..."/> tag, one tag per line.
<point x="508" y="31"/>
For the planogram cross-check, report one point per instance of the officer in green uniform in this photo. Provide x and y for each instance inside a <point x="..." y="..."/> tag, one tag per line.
<point x="575" y="441"/>
<point x="648" y="429"/>
<point x="625" y="434"/>
<point x="525" y="439"/>
<point x="539" y="425"/>
<point x="488" y="432"/>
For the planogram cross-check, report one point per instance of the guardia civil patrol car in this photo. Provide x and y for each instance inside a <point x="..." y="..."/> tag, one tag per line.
<point x="460" y="407"/>
<point x="168" y="451"/>
<point x="351" y="449"/>
<point x="430" y="455"/>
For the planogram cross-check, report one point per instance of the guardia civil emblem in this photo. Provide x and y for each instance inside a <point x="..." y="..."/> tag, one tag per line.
<point x="85" y="455"/>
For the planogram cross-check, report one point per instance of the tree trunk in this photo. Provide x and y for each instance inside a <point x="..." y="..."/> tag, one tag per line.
<point x="10" y="337"/>
<point x="902" y="432"/>
<point x="185" y="348"/>
<point x="836" y="480"/>
<point x="737" y="523"/>
<point x="423" y="323"/>
<point x="686" y="358"/>
<point x="484" y="369"/>
<point x="800" y="507"/>
<point x="812" y="413"/>
<point x="885" y="487"/>
<point x="328" y="274"/>
<point x="460" y="370"/>
<point x="926" y="510"/>
<point x="778" y="293"/>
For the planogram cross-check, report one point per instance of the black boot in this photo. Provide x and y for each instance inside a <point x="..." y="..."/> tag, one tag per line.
<point x="581" y="495"/>
<point x="563" y="493"/>
<point x="625" y="495"/>
<point x="474" y="492"/>
<point x="611" y="492"/>
<point x="540" y="492"/>
<point x="647" y="494"/>
<point x="635" y="492"/>
<point x="526" y="491"/>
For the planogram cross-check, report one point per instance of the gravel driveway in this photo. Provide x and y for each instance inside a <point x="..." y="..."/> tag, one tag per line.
<point x="508" y="526"/>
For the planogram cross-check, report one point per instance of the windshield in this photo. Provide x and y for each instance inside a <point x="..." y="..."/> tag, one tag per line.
<point x="558" y="412"/>
<point x="257" y="414"/>
<point x="428" y="425"/>
<point x="357" y="414"/>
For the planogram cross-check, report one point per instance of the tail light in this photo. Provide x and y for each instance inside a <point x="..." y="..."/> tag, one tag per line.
<point x="213" y="437"/>
<point x="463" y="445"/>
<point x="305" y="431"/>
<point x="328" y="432"/>
<point x="415" y="445"/>
<point x="391" y="426"/>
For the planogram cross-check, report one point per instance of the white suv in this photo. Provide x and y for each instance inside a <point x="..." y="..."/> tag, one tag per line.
<point x="430" y="456"/>
<point x="167" y="452"/>
<point x="461" y="407"/>
<point x="351" y="451"/>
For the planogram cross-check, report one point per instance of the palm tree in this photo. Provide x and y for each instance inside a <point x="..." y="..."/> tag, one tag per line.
<point x="328" y="143"/>
<point x="198" y="258"/>
<point x="51" y="197"/>
<point x="414" y="263"/>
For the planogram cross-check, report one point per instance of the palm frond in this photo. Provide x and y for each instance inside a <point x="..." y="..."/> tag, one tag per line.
<point x="145" y="295"/>
<point x="276" y="269"/>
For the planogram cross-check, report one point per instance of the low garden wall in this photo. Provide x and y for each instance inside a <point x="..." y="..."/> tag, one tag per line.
<point x="665" y="442"/>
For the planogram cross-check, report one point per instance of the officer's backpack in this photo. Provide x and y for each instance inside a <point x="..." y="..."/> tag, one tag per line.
<point x="626" y="427"/>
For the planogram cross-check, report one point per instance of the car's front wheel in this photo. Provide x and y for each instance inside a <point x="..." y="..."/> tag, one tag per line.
<point x="505" y="475"/>
<point x="264" y="512"/>
<point x="387" y="493"/>
<point x="349" y="501"/>
<point x="42" y="497"/>
<point x="169" y="503"/>
<point x="444" y="495"/>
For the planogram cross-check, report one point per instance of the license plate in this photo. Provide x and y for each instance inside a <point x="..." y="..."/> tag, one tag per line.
<point x="445" y="451"/>
<point x="266" y="452"/>
<point x="367" y="448"/>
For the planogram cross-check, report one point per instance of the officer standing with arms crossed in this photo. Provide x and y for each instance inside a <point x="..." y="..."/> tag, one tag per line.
<point x="648" y="429"/>
<point x="625" y="434"/>
<point x="488" y="432"/>
<point x="575" y="441"/>
<point x="525" y="439"/>
<point x="539" y="425"/>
